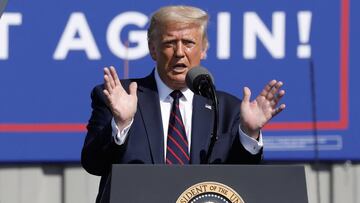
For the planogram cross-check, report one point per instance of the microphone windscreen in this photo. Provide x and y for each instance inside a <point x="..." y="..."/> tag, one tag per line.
<point x="194" y="74"/>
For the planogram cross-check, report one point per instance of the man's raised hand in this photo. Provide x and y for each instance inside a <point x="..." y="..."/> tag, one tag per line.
<point x="123" y="105"/>
<point x="255" y="114"/>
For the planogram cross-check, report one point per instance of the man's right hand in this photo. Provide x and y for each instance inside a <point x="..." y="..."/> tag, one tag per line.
<point x="122" y="104"/>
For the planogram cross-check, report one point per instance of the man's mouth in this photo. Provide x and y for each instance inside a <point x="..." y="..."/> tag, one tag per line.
<point x="179" y="67"/>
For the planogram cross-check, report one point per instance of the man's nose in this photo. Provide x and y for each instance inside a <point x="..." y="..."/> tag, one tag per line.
<point x="179" y="50"/>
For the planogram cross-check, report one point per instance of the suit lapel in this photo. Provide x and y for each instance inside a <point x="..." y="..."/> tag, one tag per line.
<point x="202" y="121"/>
<point x="149" y="105"/>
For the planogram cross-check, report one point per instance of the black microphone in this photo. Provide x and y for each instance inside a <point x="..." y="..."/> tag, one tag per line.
<point x="200" y="81"/>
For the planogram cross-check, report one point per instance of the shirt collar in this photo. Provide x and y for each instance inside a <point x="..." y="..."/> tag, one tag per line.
<point x="164" y="90"/>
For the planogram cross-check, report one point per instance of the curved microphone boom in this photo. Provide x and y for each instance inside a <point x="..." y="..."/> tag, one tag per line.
<point x="200" y="81"/>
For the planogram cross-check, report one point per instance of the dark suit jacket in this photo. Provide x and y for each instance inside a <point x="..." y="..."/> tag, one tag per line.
<point x="144" y="144"/>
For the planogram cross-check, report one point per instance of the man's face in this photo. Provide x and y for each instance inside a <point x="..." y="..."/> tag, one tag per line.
<point x="176" y="49"/>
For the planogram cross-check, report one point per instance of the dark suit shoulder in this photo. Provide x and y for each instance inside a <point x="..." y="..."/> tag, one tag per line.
<point x="224" y="96"/>
<point x="98" y="89"/>
<point x="124" y="82"/>
<point x="97" y="95"/>
<point x="145" y="82"/>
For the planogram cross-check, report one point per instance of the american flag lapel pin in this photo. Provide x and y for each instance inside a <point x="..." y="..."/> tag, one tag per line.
<point x="208" y="106"/>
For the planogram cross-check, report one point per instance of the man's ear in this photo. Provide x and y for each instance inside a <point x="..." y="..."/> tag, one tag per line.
<point x="152" y="50"/>
<point x="204" y="48"/>
<point x="203" y="54"/>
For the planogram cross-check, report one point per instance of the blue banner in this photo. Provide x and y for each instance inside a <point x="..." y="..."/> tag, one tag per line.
<point x="52" y="54"/>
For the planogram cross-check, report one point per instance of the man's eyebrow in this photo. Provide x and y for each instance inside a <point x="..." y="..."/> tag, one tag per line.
<point x="168" y="40"/>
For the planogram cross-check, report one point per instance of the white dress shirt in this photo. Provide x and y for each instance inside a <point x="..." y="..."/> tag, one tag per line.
<point x="185" y="104"/>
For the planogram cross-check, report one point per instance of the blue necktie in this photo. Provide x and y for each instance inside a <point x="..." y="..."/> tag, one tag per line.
<point x="177" y="144"/>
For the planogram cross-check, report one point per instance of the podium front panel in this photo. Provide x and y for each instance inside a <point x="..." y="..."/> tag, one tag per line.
<point x="162" y="183"/>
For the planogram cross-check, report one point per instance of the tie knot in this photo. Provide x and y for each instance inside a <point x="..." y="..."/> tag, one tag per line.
<point x="176" y="94"/>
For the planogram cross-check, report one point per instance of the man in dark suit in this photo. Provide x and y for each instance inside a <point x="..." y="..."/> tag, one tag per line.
<point x="130" y="118"/>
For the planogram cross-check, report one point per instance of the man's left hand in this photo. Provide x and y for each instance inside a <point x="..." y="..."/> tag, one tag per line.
<point x="255" y="114"/>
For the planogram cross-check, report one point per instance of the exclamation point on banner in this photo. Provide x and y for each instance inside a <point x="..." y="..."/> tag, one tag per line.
<point x="304" y="26"/>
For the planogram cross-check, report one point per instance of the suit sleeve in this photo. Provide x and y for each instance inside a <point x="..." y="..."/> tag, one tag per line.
<point x="238" y="153"/>
<point x="230" y="121"/>
<point x="99" y="151"/>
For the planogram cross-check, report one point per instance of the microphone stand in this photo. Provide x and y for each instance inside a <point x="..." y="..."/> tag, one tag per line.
<point x="208" y="85"/>
<point x="214" y="137"/>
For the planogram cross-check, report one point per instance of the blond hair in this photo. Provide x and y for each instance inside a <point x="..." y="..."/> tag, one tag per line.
<point x="179" y="14"/>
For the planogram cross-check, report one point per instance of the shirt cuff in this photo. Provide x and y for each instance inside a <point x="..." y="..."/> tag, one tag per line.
<point x="250" y="144"/>
<point x="120" y="136"/>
